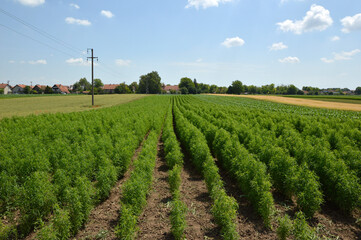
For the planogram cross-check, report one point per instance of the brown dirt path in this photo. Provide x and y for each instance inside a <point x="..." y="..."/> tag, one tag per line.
<point x="104" y="217"/>
<point x="194" y="193"/>
<point x="154" y="223"/>
<point x="301" y="102"/>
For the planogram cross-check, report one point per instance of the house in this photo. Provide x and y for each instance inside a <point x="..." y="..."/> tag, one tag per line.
<point x="109" y="88"/>
<point x="58" y="88"/>
<point x="18" y="89"/>
<point x="6" y="88"/>
<point x="39" y="88"/>
<point x="170" y="89"/>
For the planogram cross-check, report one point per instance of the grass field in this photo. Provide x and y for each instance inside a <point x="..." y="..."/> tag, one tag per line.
<point x="22" y="106"/>
<point x="330" y="98"/>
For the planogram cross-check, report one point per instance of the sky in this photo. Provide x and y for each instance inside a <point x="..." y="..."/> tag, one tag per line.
<point x="301" y="42"/>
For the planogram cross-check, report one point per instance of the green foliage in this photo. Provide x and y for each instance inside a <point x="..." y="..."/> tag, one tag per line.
<point x="150" y="83"/>
<point x="186" y="86"/>
<point x="301" y="230"/>
<point x="123" y="88"/>
<point x="177" y="218"/>
<point x="127" y="225"/>
<point x="175" y="179"/>
<point x="285" y="227"/>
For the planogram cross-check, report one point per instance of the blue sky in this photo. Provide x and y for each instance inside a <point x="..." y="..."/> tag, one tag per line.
<point x="301" y="42"/>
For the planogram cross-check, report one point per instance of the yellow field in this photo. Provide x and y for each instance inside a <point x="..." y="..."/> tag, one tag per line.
<point x="302" y="102"/>
<point x="23" y="106"/>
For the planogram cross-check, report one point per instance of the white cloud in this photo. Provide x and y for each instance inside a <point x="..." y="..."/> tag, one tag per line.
<point x="199" y="60"/>
<point x="107" y="14"/>
<point x="278" y="46"/>
<point x="71" y="20"/>
<point x="326" y="60"/>
<point x="289" y="60"/>
<point x="77" y="61"/>
<point x="335" y="38"/>
<point x="351" y="23"/>
<point x="233" y="42"/>
<point x="31" y="3"/>
<point x="12" y="61"/>
<point x="317" y="18"/>
<point x="341" y="56"/>
<point x="76" y="6"/>
<point x="205" y="3"/>
<point x="40" y="61"/>
<point x="121" y="62"/>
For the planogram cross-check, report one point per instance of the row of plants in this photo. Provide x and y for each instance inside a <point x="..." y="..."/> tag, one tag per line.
<point x="136" y="188"/>
<point x="224" y="208"/>
<point x="250" y="175"/>
<point x="287" y="176"/>
<point x="320" y="143"/>
<point x="55" y="167"/>
<point x="174" y="159"/>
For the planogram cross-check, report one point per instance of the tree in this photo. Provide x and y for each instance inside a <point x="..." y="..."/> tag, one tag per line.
<point x="292" y="89"/>
<point x="85" y="85"/>
<point x="98" y="83"/>
<point x="237" y="87"/>
<point x="184" y="90"/>
<point x="150" y="83"/>
<point x="1" y="91"/>
<point x="122" y="88"/>
<point x="77" y="87"/>
<point x="48" y="90"/>
<point x="27" y="90"/>
<point x="358" y="91"/>
<point x="134" y="87"/>
<point x="213" y="88"/>
<point x="188" y="84"/>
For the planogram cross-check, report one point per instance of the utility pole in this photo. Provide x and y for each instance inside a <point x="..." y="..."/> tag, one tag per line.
<point x="92" y="58"/>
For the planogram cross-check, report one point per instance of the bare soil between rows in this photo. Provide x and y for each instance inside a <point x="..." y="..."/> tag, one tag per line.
<point x="154" y="223"/>
<point x="301" y="102"/>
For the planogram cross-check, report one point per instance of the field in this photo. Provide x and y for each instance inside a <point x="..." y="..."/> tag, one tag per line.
<point x="351" y="104"/>
<point x="182" y="167"/>
<point x="331" y="98"/>
<point x="19" y="105"/>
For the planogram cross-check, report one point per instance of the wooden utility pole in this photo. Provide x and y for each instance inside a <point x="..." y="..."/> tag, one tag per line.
<point x="92" y="58"/>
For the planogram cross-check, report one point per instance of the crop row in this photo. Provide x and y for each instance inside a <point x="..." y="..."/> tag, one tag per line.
<point x="286" y="175"/>
<point x="224" y="207"/>
<point x="60" y="165"/>
<point x="174" y="159"/>
<point x="306" y="139"/>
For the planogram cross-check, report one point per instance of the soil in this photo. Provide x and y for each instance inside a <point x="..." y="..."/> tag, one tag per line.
<point x="194" y="193"/>
<point x="302" y="102"/>
<point x="154" y="223"/>
<point x="104" y="217"/>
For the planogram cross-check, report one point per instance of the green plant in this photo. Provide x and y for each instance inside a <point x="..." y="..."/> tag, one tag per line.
<point x="285" y="227"/>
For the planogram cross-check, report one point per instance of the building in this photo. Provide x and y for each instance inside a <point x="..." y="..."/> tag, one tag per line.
<point x="6" y="88"/>
<point x="39" y="88"/>
<point x="58" y="88"/>
<point x="109" y="88"/>
<point x="170" y="89"/>
<point x="18" y="89"/>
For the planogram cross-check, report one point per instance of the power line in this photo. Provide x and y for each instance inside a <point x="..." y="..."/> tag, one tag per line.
<point x="42" y="32"/>
<point x="40" y="42"/>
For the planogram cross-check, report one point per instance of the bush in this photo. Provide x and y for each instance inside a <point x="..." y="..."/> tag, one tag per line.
<point x="285" y="227"/>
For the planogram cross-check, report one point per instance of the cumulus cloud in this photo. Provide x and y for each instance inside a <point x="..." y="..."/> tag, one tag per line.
<point x="335" y="38"/>
<point x="351" y="23"/>
<point x="31" y="3"/>
<point x="107" y="14"/>
<point x="289" y="60"/>
<point x="76" y="6"/>
<point x="40" y="61"/>
<point x="77" y="61"/>
<point x="71" y="20"/>
<point x="121" y="62"/>
<point x="233" y="42"/>
<point x="317" y="18"/>
<point x="278" y="46"/>
<point x="341" y="56"/>
<point x="205" y="3"/>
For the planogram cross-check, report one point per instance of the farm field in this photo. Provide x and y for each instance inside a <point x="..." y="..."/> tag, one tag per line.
<point x="329" y="103"/>
<point x="331" y="98"/>
<point x="175" y="167"/>
<point x="22" y="106"/>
